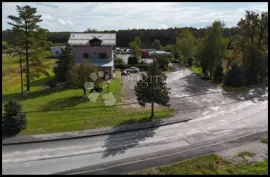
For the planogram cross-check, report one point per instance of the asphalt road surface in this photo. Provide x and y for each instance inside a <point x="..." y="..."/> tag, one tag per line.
<point x="129" y="151"/>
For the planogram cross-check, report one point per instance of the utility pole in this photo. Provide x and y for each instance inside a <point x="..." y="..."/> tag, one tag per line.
<point x="21" y="73"/>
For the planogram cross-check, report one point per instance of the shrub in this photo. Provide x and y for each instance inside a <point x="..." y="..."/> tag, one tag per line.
<point x="190" y="61"/>
<point x="218" y="73"/>
<point x="60" y="73"/>
<point x="235" y="76"/>
<point x="121" y="66"/>
<point x="51" y="82"/>
<point x="119" y="60"/>
<point x="132" y="61"/>
<point x="163" y="61"/>
<point x="13" y="120"/>
<point x="142" y="67"/>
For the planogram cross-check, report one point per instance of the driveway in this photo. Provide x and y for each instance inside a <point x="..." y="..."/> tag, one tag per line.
<point x="190" y="95"/>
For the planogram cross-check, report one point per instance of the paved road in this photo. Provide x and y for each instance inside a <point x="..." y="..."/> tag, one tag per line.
<point x="123" y="152"/>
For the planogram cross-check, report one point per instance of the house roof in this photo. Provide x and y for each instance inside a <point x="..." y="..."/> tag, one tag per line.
<point x="83" y="38"/>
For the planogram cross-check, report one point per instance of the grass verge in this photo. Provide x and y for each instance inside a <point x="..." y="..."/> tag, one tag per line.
<point x="208" y="165"/>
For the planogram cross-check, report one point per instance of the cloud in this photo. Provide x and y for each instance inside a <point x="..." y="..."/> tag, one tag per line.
<point x="61" y="21"/>
<point x="46" y="17"/>
<point x="163" y="26"/>
<point x="70" y="22"/>
<point x="133" y="15"/>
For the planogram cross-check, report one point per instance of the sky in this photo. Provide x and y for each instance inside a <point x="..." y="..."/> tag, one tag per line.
<point x="71" y="16"/>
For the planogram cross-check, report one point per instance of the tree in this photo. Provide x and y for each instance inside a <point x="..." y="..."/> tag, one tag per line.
<point x="152" y="88"/>
<point x="89" y="30"/>
<point x="135" y="46"/>
<point x="79" y="75"/>
<point x="235" y="76"/>
<point x="64" y="64"/>
<point x="254" y="30"/>
<point x="170" y="48"/>
<point x="29" y="36"/>
<point x="4" y="45"/>
<point x="156" y="45"/>
<point x="185" y="44"/>
<point x="163" y="61"/>
<point x="132" y="61"/>
<point x="213" y="47"/>
<point x="13" y="120"/>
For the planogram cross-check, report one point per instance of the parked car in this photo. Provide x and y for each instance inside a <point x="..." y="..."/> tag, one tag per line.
<point x="124" y="73"/>
<point x="133" y="70"/>
<point x="204" y="76"/>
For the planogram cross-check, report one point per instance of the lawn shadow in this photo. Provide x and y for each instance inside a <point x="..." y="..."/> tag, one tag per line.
<point x="118" y="143"/>
<point x="64" y="103"/>
<point x="30" y="95"/>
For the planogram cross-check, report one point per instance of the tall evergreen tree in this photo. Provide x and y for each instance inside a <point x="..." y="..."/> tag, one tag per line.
<point x="152" y="88"/>
<point x="64" y="64"/>
<point x="29" y="36"/>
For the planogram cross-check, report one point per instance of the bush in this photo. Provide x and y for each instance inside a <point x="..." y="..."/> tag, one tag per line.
<point x="163" y="61"/>
<point x="119" y="60"/>
<point x="142" y="67"/>
<point x="13" y="120"/>
<point x="132" y="61"/>
<point x="121" y="66"/>
<point x="235" y="76"/>
<point x="51" y="82"/>
<point x="218" y="73"/>
<point x="60" y="73"/>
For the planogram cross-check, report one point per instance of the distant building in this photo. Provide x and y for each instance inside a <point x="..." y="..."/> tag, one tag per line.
<point x="56" y="51"/>
<point x="95" y="47"/>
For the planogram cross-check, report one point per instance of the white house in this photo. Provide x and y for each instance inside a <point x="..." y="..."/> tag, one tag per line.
<point x="56" y="51"/>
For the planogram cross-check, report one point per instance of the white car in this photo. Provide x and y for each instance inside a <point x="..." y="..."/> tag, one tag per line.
<point x="133" y="70"/>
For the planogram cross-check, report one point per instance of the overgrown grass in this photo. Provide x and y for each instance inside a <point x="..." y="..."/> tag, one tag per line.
<point x="62" y="110"/>
<point x="208" y="165"/>
<point x="264" y="140"/>
<point x="246" y="154"/>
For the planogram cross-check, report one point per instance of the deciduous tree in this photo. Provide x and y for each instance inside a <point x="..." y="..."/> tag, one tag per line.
<point x="152" y="88"/>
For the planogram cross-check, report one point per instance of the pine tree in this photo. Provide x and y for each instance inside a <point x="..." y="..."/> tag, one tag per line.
<point x="30" y="37"/>
<point x="152" y="88"/>
<point x="64" y="64"/>
<point x="13" y="121"/>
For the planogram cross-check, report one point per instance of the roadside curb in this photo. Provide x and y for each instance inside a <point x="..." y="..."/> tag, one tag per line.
<point x="25" y="139"/>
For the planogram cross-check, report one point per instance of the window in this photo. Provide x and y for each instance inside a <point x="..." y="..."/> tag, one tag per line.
<point x="102" y="55"/>
<point x="85" y="55"/>
<point x="95" y="42"/>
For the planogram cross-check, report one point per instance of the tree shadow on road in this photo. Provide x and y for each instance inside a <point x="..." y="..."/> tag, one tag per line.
<point x="251" y="94"/>
<point x="118" y="143"/>
<point x="195" y="85"/>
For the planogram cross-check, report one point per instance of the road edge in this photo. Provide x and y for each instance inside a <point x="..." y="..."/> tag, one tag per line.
<point x="25" y="139"/>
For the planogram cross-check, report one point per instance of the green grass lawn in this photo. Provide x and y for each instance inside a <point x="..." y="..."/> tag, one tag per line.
<point x="208" y="165"/>
<point x="56" y="116"/>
